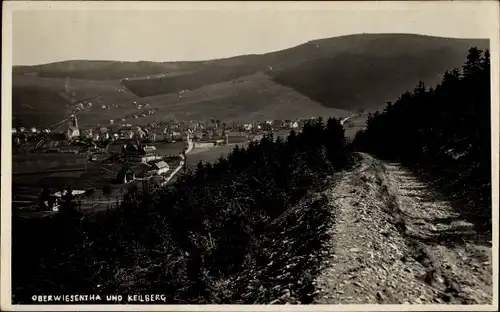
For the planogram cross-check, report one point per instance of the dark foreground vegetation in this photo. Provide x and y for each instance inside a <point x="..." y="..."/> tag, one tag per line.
<point x="443" y="134"/>
<point x="247" y="229"/>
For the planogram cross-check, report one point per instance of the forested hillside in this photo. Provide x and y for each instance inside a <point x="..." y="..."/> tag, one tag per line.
<point x="443" y="134"/>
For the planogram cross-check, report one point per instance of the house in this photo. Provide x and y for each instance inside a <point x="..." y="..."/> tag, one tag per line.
<point x="198" y="135"/>
<point x="62" y="193"/>
<point x="126" y="134"/>
<point x="111" y="121"/>
<point x="132" y="149"/>
<point x="266" y="126"/>
<point x="14" y="130"/>
<point x="139" y="132"/>
<point x="247" y="126"/>
<point x="293" y="125"/>
<point x="125" y="175"/>
<point x="219" y="142"/>
<point x="33" y="130"/>
<point x="72" y="132"/>
<point x="160" y="167"/>
<point x="175" y="135"/>
<point x="135" y="153"/>
<point x="152" y="137"/>
<point x="22" y="129"/>
<point x="104" y="136"/>
<point x="149" y="149"/>
<point x="87" y="133"/>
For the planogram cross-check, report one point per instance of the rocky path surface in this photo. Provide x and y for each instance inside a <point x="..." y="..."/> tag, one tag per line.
<point x="393" y="242"/>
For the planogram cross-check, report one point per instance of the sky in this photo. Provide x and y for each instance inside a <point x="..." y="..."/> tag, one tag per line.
<point x="168" y="32"/>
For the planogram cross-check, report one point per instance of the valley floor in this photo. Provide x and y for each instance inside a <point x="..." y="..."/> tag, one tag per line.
<point x="394" y="243"/>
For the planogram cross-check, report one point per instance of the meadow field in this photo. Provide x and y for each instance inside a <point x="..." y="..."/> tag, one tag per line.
<point x="36" y="162"/>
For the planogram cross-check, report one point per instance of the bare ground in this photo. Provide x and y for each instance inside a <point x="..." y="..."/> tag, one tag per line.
<point x="393" y="242"/>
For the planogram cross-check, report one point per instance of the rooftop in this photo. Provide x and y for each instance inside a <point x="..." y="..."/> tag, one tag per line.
<point x="160" y="164"/>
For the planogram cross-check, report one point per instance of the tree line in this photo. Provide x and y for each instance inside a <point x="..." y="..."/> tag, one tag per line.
<point x="442" y="133"/>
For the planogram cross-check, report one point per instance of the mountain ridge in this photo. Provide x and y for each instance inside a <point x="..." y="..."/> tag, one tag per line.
<point x="348" y="73"/>
<point x="319" y="40"/>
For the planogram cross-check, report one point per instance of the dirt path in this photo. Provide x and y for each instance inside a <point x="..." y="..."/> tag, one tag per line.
<point x="392" y="245"/>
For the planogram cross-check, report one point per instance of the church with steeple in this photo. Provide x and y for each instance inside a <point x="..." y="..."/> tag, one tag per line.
<point x="73" y="130"/>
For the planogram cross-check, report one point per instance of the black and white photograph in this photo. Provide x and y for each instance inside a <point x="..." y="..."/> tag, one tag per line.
<point x="284" y="154"/>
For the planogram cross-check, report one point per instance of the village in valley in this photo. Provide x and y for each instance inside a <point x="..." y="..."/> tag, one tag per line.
<point x="94" y="166"/>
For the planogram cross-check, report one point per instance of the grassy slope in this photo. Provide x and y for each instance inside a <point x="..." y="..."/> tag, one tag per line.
<point x="349" y="72"/>
<point x="41" y="101"/>
<point x="34" y="105"/>
<point x="257" y="98"/>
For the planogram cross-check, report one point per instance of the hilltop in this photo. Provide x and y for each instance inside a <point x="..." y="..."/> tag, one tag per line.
<point x="345" y="73"/>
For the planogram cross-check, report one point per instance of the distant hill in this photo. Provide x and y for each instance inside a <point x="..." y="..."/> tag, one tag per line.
<point x="102" y="70"/>
<point x="252" y="97"/>
<point x="344" y="73"/>
<point x="42" y="101"/>
<point x="375" y="68"/>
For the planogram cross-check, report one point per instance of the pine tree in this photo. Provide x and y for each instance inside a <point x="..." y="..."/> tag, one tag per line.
<point x="442" y="131"/>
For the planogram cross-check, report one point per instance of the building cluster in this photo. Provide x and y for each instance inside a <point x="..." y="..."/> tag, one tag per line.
<point x="201" y="132"/>
<point x="123" y="153"/>
<point x="270" y="125"/>
<point x="140" y="162"/>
